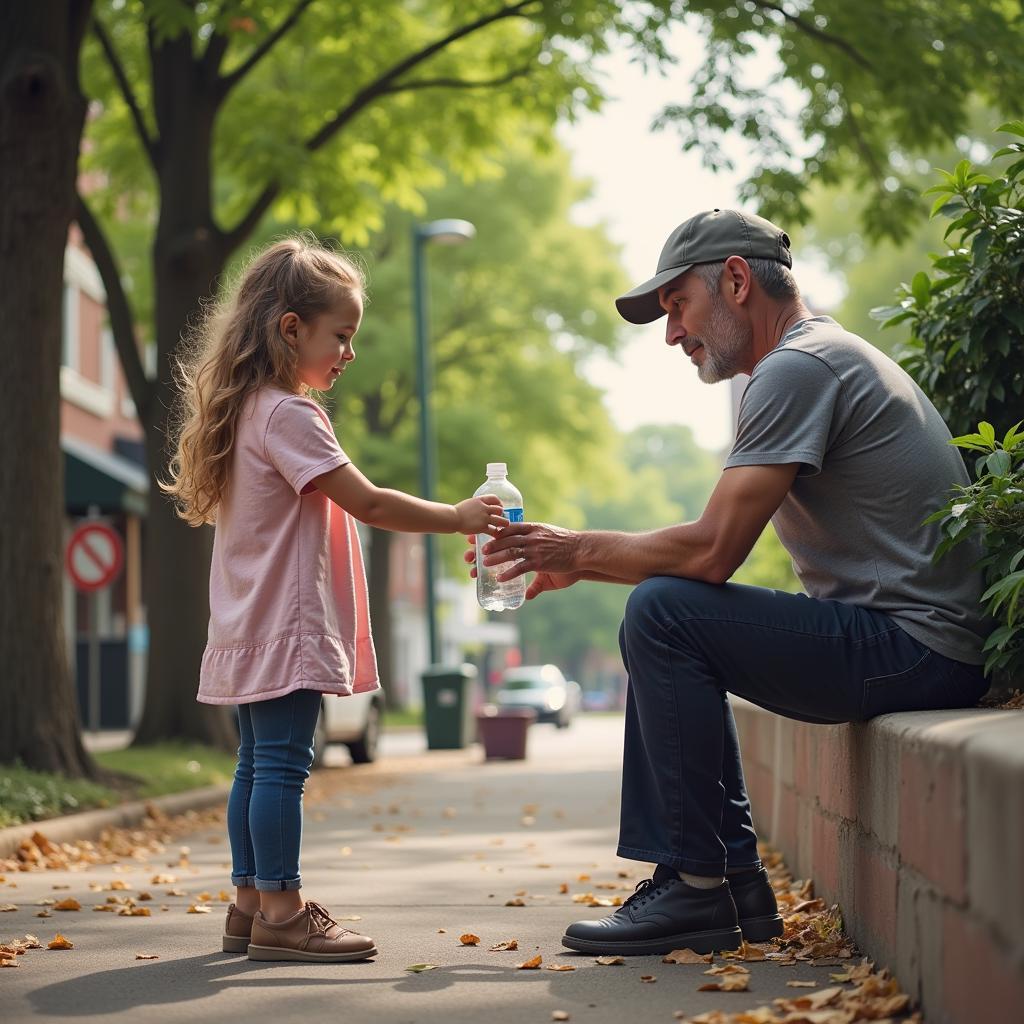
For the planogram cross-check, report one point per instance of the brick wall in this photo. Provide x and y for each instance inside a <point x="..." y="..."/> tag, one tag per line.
<point x="914" y="824"/>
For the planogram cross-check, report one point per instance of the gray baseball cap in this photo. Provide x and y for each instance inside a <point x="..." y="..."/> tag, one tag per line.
<point x="708" y="237"/>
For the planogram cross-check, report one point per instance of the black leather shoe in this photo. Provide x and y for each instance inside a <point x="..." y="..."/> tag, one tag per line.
<point x="662" y="914"/>
<point x="755" y="905"/>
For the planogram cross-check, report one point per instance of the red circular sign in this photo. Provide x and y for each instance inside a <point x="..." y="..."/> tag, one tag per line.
<point x="94" y="556"/>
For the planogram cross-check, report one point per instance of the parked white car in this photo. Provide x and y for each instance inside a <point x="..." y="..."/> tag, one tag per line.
<point x="542" y="688"/>
<point x="354" y="721"/>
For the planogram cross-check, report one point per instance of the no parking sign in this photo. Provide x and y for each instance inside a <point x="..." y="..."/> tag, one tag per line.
<point x="94" y="556"/>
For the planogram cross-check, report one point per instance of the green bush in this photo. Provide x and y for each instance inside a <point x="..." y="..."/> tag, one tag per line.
<point x="967" y="320"/>
<point x="27" y="795"/>
<point x="993" y="508"/>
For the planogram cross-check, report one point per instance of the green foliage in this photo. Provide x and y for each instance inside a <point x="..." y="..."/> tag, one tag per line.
<point x="27" y="795"/>
<point x="768" y="565"/>
<point x="877" y="83"/>
<point x="993" y="508"/>
<point x="170" y="767"/>
<point x="868" y="267"/>
<point x="512" y="314"/>
<point x="656" y="476"/>
<point x="967" y="321"/>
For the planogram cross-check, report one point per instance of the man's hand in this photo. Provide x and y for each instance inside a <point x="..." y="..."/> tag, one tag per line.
<point x="533" y="547"/>
<point x="543" y="581"/>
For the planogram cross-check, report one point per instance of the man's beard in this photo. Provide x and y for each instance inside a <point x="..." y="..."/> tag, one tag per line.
<point x="729" y="339"/>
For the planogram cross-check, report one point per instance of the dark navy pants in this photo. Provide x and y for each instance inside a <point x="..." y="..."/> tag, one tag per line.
<point x="686" y="645"/>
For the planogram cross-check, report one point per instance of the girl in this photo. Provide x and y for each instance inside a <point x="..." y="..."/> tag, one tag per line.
<point x="256" y="454"/>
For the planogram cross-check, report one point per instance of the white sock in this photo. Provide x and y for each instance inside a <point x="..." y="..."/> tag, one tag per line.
<point x="702" y="881"/>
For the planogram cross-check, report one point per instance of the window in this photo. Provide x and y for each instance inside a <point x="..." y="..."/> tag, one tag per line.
<point x="69" y="338"/>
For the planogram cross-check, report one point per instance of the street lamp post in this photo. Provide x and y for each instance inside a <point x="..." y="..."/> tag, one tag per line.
<point x="445" y="232"/>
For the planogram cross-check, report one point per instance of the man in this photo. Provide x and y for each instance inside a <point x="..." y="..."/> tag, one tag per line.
<point x="846" y="455"/>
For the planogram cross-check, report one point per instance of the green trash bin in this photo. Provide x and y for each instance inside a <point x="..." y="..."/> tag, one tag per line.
<point x="448" y="706"/>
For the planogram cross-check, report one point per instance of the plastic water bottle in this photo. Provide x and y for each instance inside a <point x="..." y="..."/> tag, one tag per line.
<point x="492" y="594"/>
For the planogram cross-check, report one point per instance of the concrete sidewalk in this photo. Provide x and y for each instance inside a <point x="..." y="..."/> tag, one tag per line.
<point x="422" y="848"/>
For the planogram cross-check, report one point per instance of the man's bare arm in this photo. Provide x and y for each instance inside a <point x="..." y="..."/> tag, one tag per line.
<point x="710" y="549"/>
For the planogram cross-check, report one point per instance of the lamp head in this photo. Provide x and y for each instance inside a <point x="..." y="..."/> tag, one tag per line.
<point x="448" y="231"/>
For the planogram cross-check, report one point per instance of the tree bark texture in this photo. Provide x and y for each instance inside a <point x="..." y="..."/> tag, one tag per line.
<point x="42" y="112"/>
<point x="189" y="255"/>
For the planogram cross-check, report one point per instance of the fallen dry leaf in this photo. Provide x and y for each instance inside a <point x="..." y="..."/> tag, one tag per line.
<point x="7" y="908"/>
<point x="502" y="947"/>
<point x="687" y="956"/>
<point x="134" y="912"/>
<point x="7" y="963"/>
<point x="648" y="978"/>
<point x="530" y="965"/>
<point x="469" y="939"/>
<point x="559" y="1015"/>
<point x="609" y="961"/>
<point x="802" y="984"/>
<point x="420" y="968"/>
<point x="199" y="908"/>
<point x="147" y="956"/>
<point x="60" y="942"/>
<point x="559" y="967"/>
<point x="727" y="969"/>
<point x="729" y="983"/>
<point x="515" y="902"/>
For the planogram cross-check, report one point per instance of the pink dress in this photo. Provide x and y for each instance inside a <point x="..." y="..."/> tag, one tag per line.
<point x="288" y="600"/>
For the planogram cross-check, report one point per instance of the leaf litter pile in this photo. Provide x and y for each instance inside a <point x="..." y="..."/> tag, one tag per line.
<point x="813" y="935"/>
<point x="150" y="838"/>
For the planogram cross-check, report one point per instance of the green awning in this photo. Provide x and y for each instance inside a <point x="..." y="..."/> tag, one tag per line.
<point x="104" y="480"/>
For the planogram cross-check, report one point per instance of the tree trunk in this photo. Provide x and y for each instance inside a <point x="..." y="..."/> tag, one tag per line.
<point x="42" y="112"/>
<point x="189" y="255"/>
<point x="380" y="614"/>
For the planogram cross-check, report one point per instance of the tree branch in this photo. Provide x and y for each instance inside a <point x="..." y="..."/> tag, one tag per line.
<point x="385" y="85"/>
<point x="457" y="83"/>
<point x="863" y="146"/>
<point x="816" y="33"/>
<point x="212" y="57"/>
<point x="122" y="322"/>
<point x="148" y="142"/>
<point x="229" y="81"/>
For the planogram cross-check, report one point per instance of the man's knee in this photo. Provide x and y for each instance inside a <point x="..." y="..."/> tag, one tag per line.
<point x="662" y="599"/>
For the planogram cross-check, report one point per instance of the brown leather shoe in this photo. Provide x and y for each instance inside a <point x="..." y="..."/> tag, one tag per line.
<point x="237" y="928"/>
<point x="311" y="936"/>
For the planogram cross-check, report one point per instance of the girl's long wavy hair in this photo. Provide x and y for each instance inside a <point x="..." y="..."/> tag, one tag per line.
<point x="237" y="348"/>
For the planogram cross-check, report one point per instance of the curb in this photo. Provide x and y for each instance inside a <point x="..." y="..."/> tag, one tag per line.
<point x="89" y="824"/>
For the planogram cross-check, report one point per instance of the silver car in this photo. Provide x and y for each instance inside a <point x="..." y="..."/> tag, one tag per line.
<point x="542" y="688"/>
<point x="354" y="721"/>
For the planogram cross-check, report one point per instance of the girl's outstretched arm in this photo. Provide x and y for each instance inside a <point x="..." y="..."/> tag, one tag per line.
<point x="395" y="510"/>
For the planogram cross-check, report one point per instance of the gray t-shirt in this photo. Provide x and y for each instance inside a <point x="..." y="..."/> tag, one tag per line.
<point x="876" y="462"/>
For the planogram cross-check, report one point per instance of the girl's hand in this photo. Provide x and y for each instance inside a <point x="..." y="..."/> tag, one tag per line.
<point x="480" y="515"/>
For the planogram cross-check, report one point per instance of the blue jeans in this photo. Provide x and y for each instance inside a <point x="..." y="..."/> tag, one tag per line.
<point x="275" y="754"/>
<point x="686" y="645"/>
